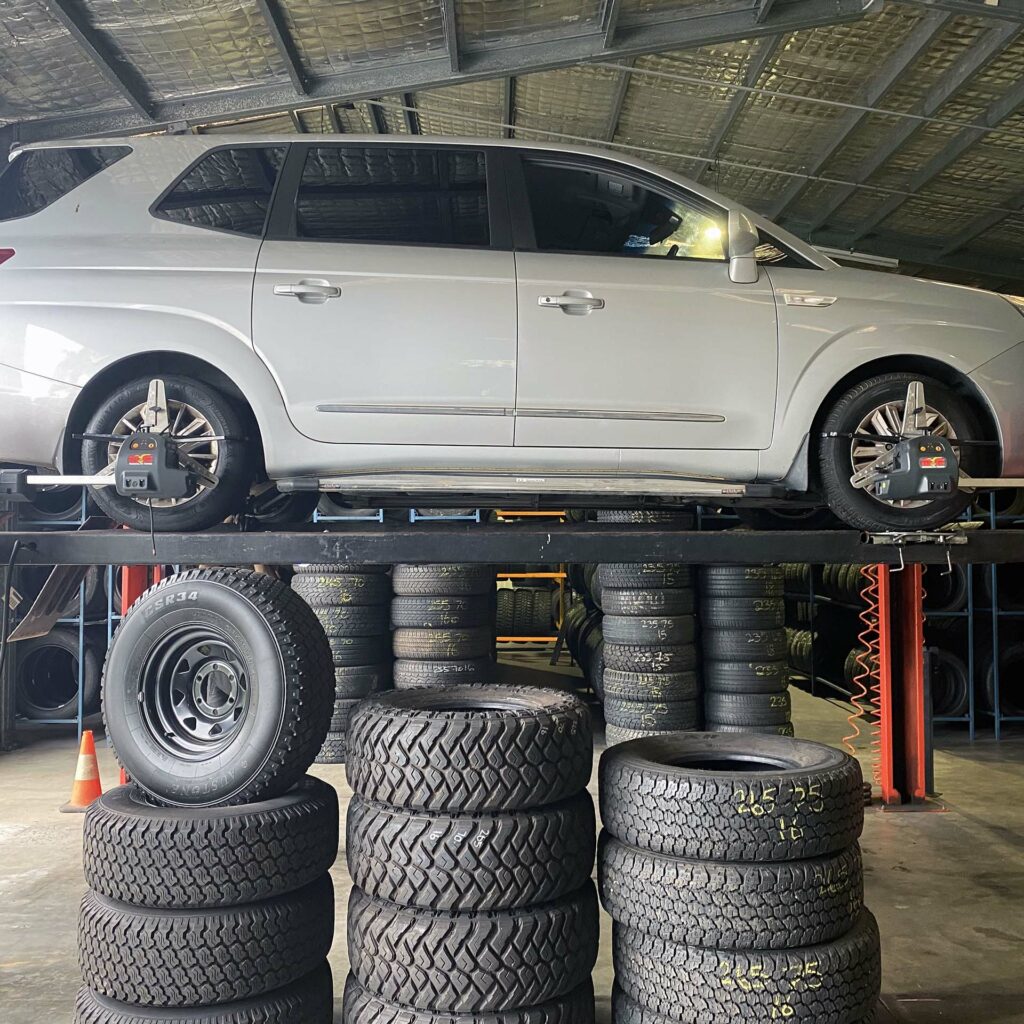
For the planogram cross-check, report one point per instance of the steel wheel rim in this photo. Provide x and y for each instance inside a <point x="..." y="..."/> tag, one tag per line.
<point x="194" y="693"/>
<point x="186" y="422"/>
<point x="885" y="420"/>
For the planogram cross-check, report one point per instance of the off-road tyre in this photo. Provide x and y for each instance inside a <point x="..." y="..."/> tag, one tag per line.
<point x="414" y="674"/>
<point x="806" y="801"/>
<point x="325" y="589"/>
<point x="439" y="612"/>
<point x="649" y="686"/>
<point x="334" y="749"/>
<point x="456" y="863"/>
<point x="829" y="983"/>
<point x="473" y="963"/>
<point x="649" y="629"/>
<point x="470" y="748"/>
<point x="442" y="644"/>
<point x="644" y="575"/>
<point x="745" y="676"/>
<point x="744" y="644"/>
<point x="661" y="716"/>
<point x="748" y="708"/>
<point x="281" y="645"/>
<point x="717" y="905"/>
<point x="310" y="1000"/>
<point x="442" y="580"/>
<point x="650" y="657"/>
<point x="679" y="601"/>
<point x="200" y="957"/>
<point x="147" y="855"/>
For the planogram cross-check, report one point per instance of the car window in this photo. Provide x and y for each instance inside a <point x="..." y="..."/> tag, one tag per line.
<point x="400" y="194"/>
<point x="38" y="177"/>
<point x="586" y="209"/>
<point x="228" y="190"/>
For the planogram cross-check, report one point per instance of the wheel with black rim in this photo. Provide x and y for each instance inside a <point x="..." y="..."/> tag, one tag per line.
<point x="863" y="423"/>
<point x="218" y="688"/>
<point x="208" y="430"/>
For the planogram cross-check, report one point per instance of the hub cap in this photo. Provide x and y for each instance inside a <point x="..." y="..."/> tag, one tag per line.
<point x="194" y="693"/>
<point x="885" y="421"/>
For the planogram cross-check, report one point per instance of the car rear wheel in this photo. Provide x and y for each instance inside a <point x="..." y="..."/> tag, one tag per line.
<point x="212" y="433"/>
<point x="875" y="407"/>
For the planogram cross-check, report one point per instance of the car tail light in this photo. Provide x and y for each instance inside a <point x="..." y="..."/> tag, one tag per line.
<point x="5" y="255"/>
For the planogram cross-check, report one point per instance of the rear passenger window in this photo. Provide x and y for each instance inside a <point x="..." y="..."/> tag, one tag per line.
<point x="400" y="194"/>
<point x="38" y="177"/>
<point x="227" y="190"/>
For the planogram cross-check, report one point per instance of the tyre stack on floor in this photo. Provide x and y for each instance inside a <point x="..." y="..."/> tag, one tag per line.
<point x="737" y="895"/>
<point x="470" y="841"/>
<point x="650" y="660"/>
<point x="352" y="603"/>
<point x="443" y="620"/>
<point x="746" y="677"/>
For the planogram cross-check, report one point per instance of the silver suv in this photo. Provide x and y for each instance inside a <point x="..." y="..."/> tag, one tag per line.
<point x="467" y="321"/>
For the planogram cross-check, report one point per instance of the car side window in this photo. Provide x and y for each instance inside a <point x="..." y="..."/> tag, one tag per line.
<point x="38" y="177"/>
<point x="229" y="189"/>
<point x="585" y="209"/>
<point x="398" y="194"/>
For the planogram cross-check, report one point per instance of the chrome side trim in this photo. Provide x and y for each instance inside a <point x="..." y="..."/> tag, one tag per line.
<point x="419" y="410"/>
<point x="608" y="414"/>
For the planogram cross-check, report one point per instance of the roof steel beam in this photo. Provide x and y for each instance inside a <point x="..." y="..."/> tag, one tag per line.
<point x="377" y="118"/>
<point x="333" y="119"/>
<point x="980" y="225"/>
<point x="297" y="122"/>
<point x="759" y="60"/>
<point x="764" y="8"/>
<point x="951" y="152"/>
<point x="610" y="20"/>
<point x="920" y="40"/>
<point x="508" y="107"/>
<point x="111" y="65"/>
<point x="1009" y="10"/>
<point x="278" y="29"/>
<point x="451" y="34"/>
<point x="651" y="35"/>
<point x="994" y="41"/>
<point x="618" y="99"/>
<point x="412" y="122"/>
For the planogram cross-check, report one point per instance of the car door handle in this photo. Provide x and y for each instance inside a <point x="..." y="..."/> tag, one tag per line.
<point x="308" y="291"/>
<point x="575" y="303"/>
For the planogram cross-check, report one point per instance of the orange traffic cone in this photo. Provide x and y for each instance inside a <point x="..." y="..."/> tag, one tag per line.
<point x="87" y="777"/>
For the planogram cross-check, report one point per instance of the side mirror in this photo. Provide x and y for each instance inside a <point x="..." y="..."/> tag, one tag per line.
<point x="743" y="240"/>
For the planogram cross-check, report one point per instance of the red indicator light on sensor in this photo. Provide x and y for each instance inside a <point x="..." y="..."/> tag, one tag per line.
<point x="5" y="255"/>
<point x="140" y="460"/>
<point x="932" y="462"/>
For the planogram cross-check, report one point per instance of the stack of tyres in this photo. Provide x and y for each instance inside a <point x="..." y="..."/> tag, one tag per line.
<point x="351" y="602"/>
<point x="746" y="678"/>
<point x="650" y="660"/>
<point x="731" y="869"/>
<point x="443" y="621"/>
<point x="216" y="915"/>
<point x="470" y="843"/>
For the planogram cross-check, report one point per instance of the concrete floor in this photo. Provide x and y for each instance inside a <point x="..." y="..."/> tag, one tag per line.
<point x="947" y="887"/>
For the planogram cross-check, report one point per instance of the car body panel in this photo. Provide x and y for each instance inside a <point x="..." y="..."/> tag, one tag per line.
<point x="97" y="278"/>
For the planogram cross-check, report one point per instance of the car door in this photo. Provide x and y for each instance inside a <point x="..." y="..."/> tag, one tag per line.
<point x="384" y="297"/>
<point x="631" y="334"/>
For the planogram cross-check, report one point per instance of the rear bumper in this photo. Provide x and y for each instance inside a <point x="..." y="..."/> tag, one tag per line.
<point x="33" y="413"/>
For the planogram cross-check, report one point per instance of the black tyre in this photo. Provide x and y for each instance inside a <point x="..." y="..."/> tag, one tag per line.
<point x="46" y="677"/>
<point x="334" y="749"/>
<point x="746" y="676"/>
<point x="950" y="683"/>
<point x="945" y="591"/>
<point x="717" y="905"/>
<point x="644" y="575"/>
<point x="189" y="402"/>
<point x="439" y="612"/>
<point x="855" y="411"/>
<point x="200" y="957"/>
<point x="470" y="748"/>
<point x="362" y="1007"/>
<point x="649" y="629"/>
<point x="361" y="680"/>
<point x="748" y="708"/>
<point x="781" y="729"/>
<point x="504" y="612"/>
<point x="617" y="734"/>
<point x="717" y="796"/>
<point x="744" y="644"/>
<point x="282" y="508"/>
<point x="742" y="581"/>
<point x="472" y="963"/>
<point x="442" y="580"/>
<point x="353" y="619"/>
<point x="330" y="568"/>
<point x="442" y="644"/>
<point x="331" y="588"/>
<point x="179" y="680"/>
<point x="742" y="612"/>
<point x="829" y="983"/>
<point x="661" y="716"/>
<point x="682" y="518"/>
<point x="410" y="674"/>
<point x="310" y="1000"/>
<point x="650" y="658"/>
<point x="470" y="862"/>
<point x="347" y="651"/>
<point x="649" y="686"/>
<point x="342" y="713"/>
<point x="647" y="602"/>
<point x="788" y="517"/>
<point x="152" y="856"/>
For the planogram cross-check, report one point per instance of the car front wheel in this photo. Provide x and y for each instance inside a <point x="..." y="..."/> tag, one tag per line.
<point x="875" y="407"/>
<point x="208" y="429"/>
